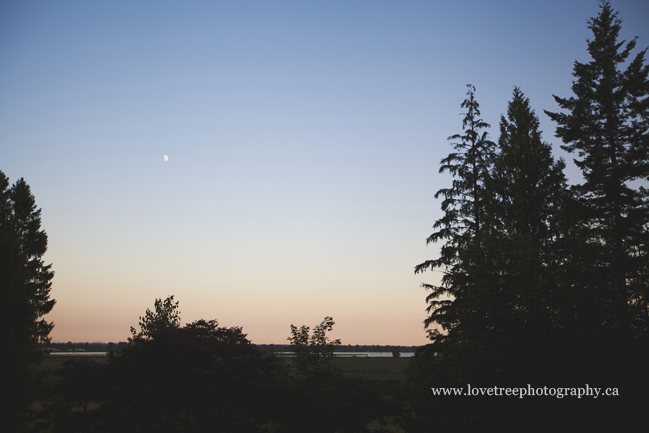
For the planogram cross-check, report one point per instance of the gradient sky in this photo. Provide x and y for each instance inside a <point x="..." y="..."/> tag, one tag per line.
<point x="304" y="141"/>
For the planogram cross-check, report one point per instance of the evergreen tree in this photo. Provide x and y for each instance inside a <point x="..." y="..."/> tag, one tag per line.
<point x="528" y="234"/>
<point x="529" y="183"/>
<point x="502" y="322"/>
<point x="604" y="310"/>
<point x="606" y="123"/>
<point x="461" y="226"/>
<point x="25" y="284"/>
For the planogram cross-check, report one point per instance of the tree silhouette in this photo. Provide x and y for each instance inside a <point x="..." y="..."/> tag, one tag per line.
<point x="202" y="377"/>
<point x="606" y="123"/>
<point x="547" y="285"/>
<point x="528" y="196"/>
<point x="25" y="281"/>
<point x="462" y="225"/>
<point x="316" y="351"/>
<point x="199" y="377"/>
<point x="166" y="315"/>
<point x="529" y="183"/>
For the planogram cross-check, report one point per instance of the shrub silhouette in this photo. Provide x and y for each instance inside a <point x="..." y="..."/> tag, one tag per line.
<point x="200" y="377"/>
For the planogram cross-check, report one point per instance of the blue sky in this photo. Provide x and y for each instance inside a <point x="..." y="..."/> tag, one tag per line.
<point x="304" y="141"/>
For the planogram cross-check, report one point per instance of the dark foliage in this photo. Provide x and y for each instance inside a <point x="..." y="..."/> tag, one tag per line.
<point x="606" y="123"/>
<point x="463" y="222"/>
<point x="71" y="407"/>
<point x="323" y="401"/>
<point x="313" y="352"/>
<point x="200" y="377"/>
<point x="25" y="282"/>
<point x="546" y="285"/>
<point x="165" y="315"/>
<point x="83" y="382"/>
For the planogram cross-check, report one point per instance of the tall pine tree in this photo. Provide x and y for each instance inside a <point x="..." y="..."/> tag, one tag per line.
<point x="503" y="232"/>
<point x="606" y="123"/>
<point x="529" y="183"/>
<point x="460" y="318"/>
<point x="462" y="225"/>
<point x="25" y="285"/>
<point x="528" y="196"/>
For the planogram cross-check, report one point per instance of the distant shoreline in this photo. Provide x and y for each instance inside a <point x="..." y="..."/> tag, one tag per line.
<point x="340" y="354"/>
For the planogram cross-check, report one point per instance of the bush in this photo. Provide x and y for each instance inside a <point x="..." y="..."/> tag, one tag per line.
<point x="200" y="377"/>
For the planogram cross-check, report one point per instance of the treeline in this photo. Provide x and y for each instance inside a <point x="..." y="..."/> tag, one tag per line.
<point x="375" y="348"/>
<point x="344" y="348"/>
<point x="86" y="347"/>
<point x="544" y="283"/>
<point x="108" y="347"/>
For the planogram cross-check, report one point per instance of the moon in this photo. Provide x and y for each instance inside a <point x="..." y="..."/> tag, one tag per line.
<point x="165" y="157"/>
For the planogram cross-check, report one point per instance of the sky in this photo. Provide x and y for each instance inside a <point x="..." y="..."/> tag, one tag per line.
<point x="303" y="142"/>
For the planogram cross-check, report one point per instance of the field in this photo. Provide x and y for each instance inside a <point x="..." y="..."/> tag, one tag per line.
<point x="54" y="362"/>
<point x="372" y="368"/>
<point x="369" y="368"/>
